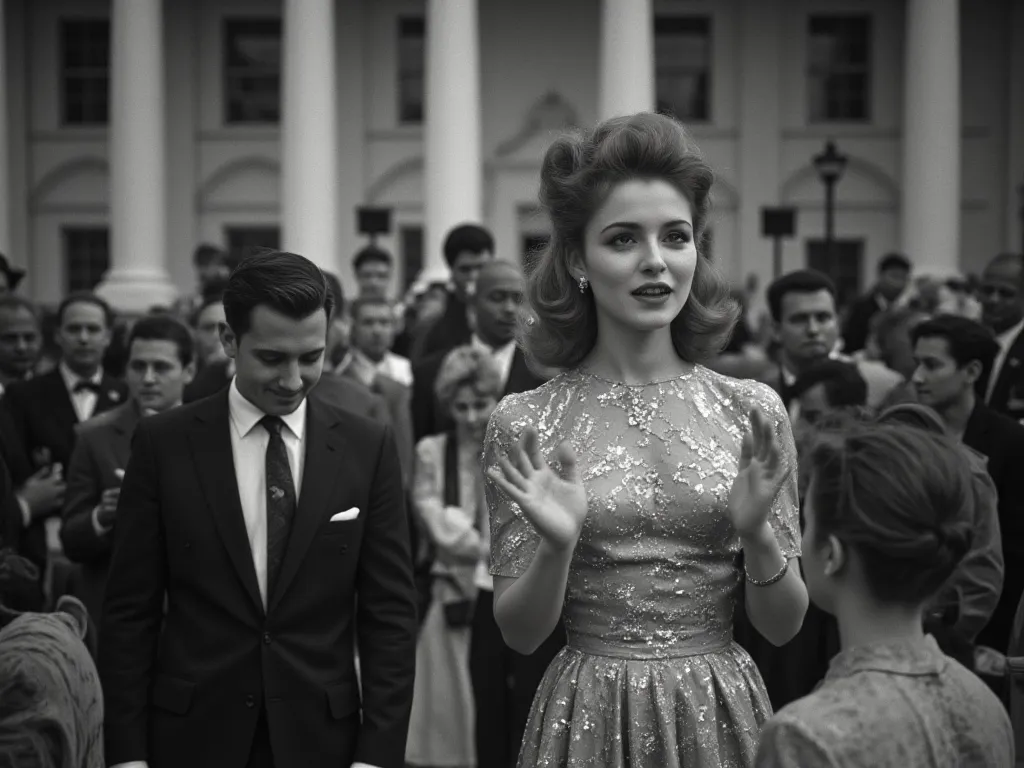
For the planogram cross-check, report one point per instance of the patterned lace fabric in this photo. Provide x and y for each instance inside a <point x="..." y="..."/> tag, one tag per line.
<point x="894" y="705"/>
<point x="651" y="676"/>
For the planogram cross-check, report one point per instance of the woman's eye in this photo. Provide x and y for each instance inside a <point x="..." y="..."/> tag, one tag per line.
<point x="678" y="237"/>
<point x="623" y="239"/>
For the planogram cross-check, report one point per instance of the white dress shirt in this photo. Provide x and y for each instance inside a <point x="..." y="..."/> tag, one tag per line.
<point x="1005" y="340"/>
<point x="249" y="443"/>
<point x="84" y="402"/>
<point x="249" y="448"/>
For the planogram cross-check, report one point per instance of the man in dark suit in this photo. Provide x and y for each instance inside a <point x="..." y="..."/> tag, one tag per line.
<point x="893" y="278"/>
<point x="275" y="526"/>
<point x="1002" y="301"/>
<point x="40" y="415"/>
<point x="161" y="361"/>
<point x="495" y="309"/>
<point x="953" y="355"/>
<point x="466" y="249"/>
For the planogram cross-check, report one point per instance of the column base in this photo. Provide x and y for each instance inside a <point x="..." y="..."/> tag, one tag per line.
<point x="136" y="291"/>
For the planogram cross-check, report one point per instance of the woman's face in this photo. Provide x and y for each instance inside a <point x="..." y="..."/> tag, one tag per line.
<point x="470" y="410"/>
<point x="640" y="255"/>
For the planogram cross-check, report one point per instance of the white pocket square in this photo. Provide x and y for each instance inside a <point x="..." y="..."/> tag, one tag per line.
<point x="348" y="514"/>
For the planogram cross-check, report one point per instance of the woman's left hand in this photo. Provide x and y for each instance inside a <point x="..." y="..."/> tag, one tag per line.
<point x="761" y="474"/>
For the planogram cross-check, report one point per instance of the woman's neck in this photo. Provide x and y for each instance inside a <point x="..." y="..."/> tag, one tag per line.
<point x="635" y="357"/>
<point x="865" y="622"/>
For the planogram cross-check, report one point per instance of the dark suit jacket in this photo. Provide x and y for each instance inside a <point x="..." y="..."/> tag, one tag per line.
<point x="191" y="692"/>
<point x="858" y="322"/>
<point x="1001" y="439"/>
<point x="104" y="446"/>
<point x="429" y="418"/>
<point x="332" y="391"/>
<point x="450" y="331"/>
<point x="1008" y="394"/>
<point x="396" y="396"/>
<point x="38" y="414"/>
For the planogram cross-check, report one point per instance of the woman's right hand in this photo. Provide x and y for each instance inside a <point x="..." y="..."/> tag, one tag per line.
<point x="555" y="502"/>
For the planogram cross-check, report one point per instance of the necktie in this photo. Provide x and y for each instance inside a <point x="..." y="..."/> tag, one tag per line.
<point x="280" y="499"/>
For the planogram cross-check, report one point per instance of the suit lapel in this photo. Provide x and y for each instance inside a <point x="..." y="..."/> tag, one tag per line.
<point x="215" y="464"/>
<point x="111" y="395"/>
<point x="326" y="452"/>
<point x="1009" y="373"/>
<point x="123" y="427"/>
<point x="976" y="431"/>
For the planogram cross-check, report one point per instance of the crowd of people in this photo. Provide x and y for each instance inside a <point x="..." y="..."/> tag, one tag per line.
<point x="594" y="510"/>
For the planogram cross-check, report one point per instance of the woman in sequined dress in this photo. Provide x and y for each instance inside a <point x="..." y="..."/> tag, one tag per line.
<point x="638" y="494"/>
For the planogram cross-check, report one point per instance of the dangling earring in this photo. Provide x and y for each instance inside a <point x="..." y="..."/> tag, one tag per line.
<point x="583" y="284"/>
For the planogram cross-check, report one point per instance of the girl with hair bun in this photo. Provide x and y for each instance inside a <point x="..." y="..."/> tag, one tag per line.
<point x="887" y="521"/>
<point x="637" y="494"/>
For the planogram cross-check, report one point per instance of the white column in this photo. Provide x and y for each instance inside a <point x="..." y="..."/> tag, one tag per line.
<point x="931" y="136"/>
<point x="309" y="177"/>
<point x="351" y="47"/>
<point x="453" y="188"/>
<point x="5" y="166"/>
<point x="138" y="167"/>
<point x="627" y="58"/>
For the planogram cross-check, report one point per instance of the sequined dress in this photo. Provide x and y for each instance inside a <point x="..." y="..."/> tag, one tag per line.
<point x="651" y="677"/>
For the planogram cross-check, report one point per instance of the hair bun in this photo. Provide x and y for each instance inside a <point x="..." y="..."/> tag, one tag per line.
<point x="956" y="538"/>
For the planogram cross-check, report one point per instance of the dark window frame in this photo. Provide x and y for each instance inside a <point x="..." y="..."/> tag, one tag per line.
<point x="411" y="75"/>
<point x="833" y="95"/>
<point x="676" y="24"/>
<point x="241" y="239"/>
<point x="96" y="253"/>
<point x="234" y="76"/>
<point x="95" y="74"/>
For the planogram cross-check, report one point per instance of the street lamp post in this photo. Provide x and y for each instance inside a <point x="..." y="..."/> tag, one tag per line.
<point x="1020" y="213"/>
<point x="830" y="165"/>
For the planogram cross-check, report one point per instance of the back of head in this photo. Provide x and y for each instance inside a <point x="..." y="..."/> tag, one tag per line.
<point x="579" y="171"/>
<point x="902" y="498"/>
<point x="843" y="384"/>
<point x="798" y="281"/>
<point x="164" y="328"/>
<point x="467" y="238"/>
<point x="914" y="415"/>
<point x="286" y="283"/>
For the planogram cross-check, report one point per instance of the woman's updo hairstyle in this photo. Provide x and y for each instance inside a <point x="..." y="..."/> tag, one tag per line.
<point x="902" y="498"/>
<point x="579" y="172"/>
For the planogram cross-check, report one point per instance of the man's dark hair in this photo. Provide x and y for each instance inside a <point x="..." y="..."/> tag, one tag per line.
<point x="164" y="327"/>
<point x="467" y="237"/>
<point x="800" y="281"/>
<point x="205" y="254"/>
<point x="894" y="261"/>
<point x="85" y="297"/>
<point x="844" y="386"/>
<point x="337" y="293"/>
<point x="370" y="254"/>
<point x="209" y="300"/>
<point x="967" y="340"/>
<point x="285" y="282"/>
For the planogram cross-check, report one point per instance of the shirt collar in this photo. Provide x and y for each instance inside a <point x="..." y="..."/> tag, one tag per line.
<point x="245" y="416"/>
<point x="1007" y="337"/>
<point x="71" y="378"/>
<point x="911" y="658"/>
<point x="476" y="341"/>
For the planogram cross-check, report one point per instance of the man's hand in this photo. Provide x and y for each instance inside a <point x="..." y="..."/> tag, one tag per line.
<point x="106" y="511"/>
<point x="44" y="491"/>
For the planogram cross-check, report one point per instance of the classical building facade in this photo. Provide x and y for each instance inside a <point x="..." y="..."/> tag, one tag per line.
<point x="131" y="130"/>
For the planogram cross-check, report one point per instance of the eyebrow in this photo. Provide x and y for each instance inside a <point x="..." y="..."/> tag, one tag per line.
<point x="270" y="351"/>
<point x="634" y="225"/>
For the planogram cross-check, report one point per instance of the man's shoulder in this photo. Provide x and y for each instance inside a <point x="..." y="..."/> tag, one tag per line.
<point x="103" y="423"/>
<point x="359" y="426"/>
<point x="34" y="388"/>
<point x="1007" y="428"/>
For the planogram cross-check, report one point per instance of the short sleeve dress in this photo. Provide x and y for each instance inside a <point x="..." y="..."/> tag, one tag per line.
<point x="651" y="676"/>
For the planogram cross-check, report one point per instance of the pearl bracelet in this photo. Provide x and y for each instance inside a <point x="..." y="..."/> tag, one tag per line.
<point x="769" y="581"/>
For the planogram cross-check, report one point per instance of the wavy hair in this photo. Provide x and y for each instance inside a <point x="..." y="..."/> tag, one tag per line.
<point x="467" y="366"/>
<point x="579" y="171"/>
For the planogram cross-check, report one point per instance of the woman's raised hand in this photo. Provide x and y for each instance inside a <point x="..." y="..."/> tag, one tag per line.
<point x="555" y="502"/>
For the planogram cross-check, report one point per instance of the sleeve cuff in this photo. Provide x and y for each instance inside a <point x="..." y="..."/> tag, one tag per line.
<point x="99" y="529"/>
<point x="26" y="511"/>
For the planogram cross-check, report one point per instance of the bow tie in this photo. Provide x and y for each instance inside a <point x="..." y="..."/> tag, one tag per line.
<point x="86" y="386"/>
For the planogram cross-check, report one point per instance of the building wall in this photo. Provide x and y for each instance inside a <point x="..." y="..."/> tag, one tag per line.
<point x="539" y="71"/>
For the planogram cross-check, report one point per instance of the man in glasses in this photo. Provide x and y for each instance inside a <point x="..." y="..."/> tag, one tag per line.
<point x="1002" y="301"/>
